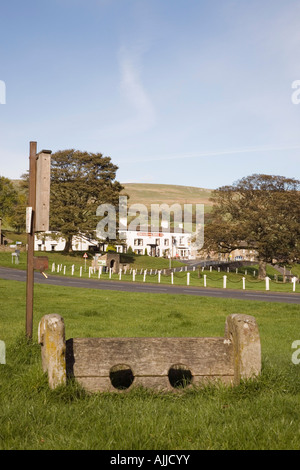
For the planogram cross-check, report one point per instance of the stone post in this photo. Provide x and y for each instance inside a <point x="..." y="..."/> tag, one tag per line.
<point x="242" y="331"/>
<point x="51" y="337"/>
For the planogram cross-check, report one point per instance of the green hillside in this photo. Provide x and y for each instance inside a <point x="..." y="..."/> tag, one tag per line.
<point x="148" y="194"/>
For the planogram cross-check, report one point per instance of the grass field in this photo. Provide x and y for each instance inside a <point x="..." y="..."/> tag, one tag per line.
<point x="76" y="258"/>
<point x="258" y="414"/>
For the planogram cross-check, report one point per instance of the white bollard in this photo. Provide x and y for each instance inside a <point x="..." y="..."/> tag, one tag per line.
<point x="244" y="283"/>
<point x="224" y="282"/>
<point x="133" y="275"/>
<point x="90" y="271"/>
<point x="294" y="280"/>
<point x="110" y="271"/>
<point x="99" y="272"/>
<point x="80" y="271"/>
<point x="144" y="278"/>
<point x="188" y="279"/>
<point x="210" y="268"/>
<point x="72" y="269"/>
<point x="204" y="277"/>
<point x="267" y="283"/>
<point x="172" y="278"/>
<point x="64" y="269"/>
<point x="120" y="274"/>
<point x="158" y="276"/>
<point x="53" y="267"/>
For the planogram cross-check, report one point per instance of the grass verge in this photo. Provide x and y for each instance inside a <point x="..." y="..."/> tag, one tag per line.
<point x="258" y="414"/>
<point x="63" y="267"/>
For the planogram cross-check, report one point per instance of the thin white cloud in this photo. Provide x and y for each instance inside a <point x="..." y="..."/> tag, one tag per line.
<point x="133" y="90"/>
<point x="216" y="153"/>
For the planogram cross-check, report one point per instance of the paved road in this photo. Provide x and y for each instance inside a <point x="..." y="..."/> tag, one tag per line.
<point x="19" y="275"/>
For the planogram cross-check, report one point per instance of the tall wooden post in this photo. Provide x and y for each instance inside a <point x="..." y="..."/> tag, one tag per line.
<point x="37" y="218"/>
<point x="30" y="240"/>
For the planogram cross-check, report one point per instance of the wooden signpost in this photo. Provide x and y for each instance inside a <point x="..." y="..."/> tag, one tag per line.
<point x="37" y="217"/>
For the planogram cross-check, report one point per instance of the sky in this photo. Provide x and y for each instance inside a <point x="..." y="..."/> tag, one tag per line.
<point x="187" y="92"/>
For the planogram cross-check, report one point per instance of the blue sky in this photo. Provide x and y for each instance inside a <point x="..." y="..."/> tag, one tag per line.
<point x="191" y="92"/>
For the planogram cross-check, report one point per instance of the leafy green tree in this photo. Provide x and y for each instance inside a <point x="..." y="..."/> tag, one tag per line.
<point x="18" y="218"/>
<point x="8" y="197"/>
<point x="80" y="182"/>
<point x="260" y="212"/>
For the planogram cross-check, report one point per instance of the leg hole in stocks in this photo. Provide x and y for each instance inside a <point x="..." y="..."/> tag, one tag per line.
<point x="180" y="376"/>
<point x="121" y="376"/>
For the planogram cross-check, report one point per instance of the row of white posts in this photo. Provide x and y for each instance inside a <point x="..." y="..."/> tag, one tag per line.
<point x="92" y="270"/>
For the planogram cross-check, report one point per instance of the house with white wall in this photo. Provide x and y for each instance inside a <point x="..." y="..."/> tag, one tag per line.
<point x="51" y="241"/>
<point x="156" y="243"/>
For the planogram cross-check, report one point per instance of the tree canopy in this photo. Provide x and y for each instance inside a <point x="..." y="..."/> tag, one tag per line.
<point x="80" y="182"/>
<point x="260" y="212"/>
<point x="8" y="197"/>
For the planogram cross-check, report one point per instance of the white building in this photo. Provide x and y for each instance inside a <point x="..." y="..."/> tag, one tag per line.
<point x="178" y="245"/>
<point x="50" y="241"/>
<point x="158" y="243"/>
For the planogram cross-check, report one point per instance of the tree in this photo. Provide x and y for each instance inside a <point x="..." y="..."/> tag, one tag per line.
<point x="18" y="217"/>
<point x="80" y="182"/>
<point x="8" y="197"/>
<point x="260" y="212"/>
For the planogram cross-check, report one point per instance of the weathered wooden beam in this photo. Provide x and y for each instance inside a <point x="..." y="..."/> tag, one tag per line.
<point x="43" y="165"/>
